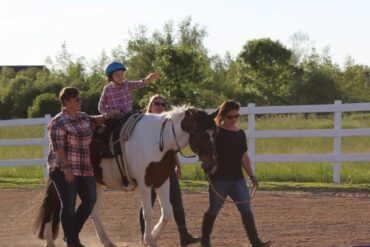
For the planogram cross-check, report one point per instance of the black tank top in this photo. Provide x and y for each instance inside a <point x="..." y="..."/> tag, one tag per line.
<point x="231" y="145"/>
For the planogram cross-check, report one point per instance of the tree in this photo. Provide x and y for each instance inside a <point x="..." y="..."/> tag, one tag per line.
<point x="301" y="46"/>
<point x="319" y="83"/>
<point x="354" y="82"/>
<point x="5" y="76"/>
<point x="46" y="103"/>
<point x="181" y="58"/>
<point x="90" y="101"/>
<point x="18" y="96"/>
<point x="266" y="71"/>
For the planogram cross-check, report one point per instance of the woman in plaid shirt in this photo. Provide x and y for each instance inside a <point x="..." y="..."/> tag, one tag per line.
<point x="70" y="133"/>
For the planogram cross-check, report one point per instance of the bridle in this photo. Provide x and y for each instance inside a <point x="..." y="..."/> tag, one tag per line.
<point x="161" y="140"/>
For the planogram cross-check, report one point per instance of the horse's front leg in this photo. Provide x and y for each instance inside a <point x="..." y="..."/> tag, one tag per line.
<point x="163" y="194"/>
<point x="95" y="216"/>
<point x="145" y="193"/>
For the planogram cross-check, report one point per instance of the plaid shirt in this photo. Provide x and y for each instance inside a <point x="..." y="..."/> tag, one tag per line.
<point x="118" y="97"/>
<point x="74" y="136"/>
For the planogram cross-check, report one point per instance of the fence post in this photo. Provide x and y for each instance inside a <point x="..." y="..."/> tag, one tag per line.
<point x="337" y="143"/>
<point x="251" y="129"/>
<point x="47" y="118"/>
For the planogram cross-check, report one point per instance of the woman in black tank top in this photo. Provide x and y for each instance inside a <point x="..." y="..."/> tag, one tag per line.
<point x="228" y="180"/>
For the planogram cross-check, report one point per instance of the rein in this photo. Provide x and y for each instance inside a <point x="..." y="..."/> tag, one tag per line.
<point x="161" y="140"/>
<point x="225" y="198"/>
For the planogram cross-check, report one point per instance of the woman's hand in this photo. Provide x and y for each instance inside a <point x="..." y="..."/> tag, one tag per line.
<point x="254" y="187"/>
<point x="178" y="172"/>
<point x="112" y="114"/>
<point x="68" y="174"/>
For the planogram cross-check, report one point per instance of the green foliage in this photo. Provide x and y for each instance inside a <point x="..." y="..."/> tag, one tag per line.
<point x="318" y="83"/>
<point x="90" y="101"/>
<point x="266" y="72"/>
<point x="18" y="96"/>
<point x="46" y="103"/>
<point x="354" y="84"/>
<point x="265" y="52"/>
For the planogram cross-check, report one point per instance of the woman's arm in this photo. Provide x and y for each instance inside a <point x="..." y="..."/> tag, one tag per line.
<point x="64" y="166"/>
<point x="248" y="169"/>
<point x="100" y="119"/>
<point x="247" y="164"/>
<point x="58" y="136"/>
<point x="102" y="102"/>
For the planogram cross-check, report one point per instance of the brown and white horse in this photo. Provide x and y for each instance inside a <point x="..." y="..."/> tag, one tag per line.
<point x="150" y="158"/>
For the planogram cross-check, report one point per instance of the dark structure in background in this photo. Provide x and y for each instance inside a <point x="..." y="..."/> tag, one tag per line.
<point x="18" y="68"/>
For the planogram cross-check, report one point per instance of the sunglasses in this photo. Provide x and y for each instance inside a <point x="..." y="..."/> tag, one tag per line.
<point x="159" y="104"/>
<point x="233" y="116"/>
<point x="77" y="99"/>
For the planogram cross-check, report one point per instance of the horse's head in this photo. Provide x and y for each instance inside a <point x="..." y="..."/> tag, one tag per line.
<point x="202" y="137"/>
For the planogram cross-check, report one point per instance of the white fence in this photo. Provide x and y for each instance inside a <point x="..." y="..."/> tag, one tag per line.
<point x="27" y="142"/>
<point x="252" y="134"/>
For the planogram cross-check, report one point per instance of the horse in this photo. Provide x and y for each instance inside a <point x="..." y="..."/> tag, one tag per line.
<point x="150" y="160"/>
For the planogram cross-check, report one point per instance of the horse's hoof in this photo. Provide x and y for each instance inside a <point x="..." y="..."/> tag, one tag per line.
<point x="110" y="245"/>
<point x="49" y="245"/>
<point x="156" y="234"/>
<point x="148" y="244"/>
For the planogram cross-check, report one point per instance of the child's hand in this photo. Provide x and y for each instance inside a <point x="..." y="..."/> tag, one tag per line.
<point x="112" y="114"/>
<point x="153" y="76"/>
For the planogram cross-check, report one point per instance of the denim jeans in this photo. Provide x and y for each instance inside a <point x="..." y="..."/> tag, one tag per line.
<point x="176" y="202"/>
<point x="236" y="189"/>
<point x="73" y="220"/>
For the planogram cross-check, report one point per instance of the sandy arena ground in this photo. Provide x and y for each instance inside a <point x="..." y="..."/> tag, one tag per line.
<point x="316" y="218"/>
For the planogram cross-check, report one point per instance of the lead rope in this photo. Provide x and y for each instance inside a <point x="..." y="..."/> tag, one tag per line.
<point x="225" y="199"/>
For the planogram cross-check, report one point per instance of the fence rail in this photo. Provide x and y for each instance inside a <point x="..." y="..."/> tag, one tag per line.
<point x="252" y="134"/>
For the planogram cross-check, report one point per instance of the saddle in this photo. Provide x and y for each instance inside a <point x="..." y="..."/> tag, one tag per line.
<point x="107" y="143"/>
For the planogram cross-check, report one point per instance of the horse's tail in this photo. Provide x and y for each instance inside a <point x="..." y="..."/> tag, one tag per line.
<point x="49" y="212"/>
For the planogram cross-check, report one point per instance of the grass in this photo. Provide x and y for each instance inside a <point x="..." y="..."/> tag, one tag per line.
<point x="22" y="182"/>
<point x="21" y="132"/>
<point x="355" y="175"/>
<point x="26" y="172"/>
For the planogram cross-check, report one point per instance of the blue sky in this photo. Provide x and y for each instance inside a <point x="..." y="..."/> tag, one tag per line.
<point x="33" y="30"/>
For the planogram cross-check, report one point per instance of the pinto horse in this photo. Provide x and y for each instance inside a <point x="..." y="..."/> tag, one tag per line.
<point x="150" y="159"/>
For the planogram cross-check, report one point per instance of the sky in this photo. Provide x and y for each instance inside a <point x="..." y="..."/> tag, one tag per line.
<point x="33" y="30"/>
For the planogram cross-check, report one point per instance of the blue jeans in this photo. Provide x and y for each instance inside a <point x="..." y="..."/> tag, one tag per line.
<point x="236" y="189"/>
<point x="176" y="202"/>
<point x="73" y="221"/>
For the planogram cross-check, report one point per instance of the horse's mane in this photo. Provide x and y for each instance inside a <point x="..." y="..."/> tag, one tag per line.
<point x="176" y="112"/>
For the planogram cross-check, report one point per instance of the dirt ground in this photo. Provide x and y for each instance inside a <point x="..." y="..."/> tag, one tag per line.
<point x="316" y="218"/>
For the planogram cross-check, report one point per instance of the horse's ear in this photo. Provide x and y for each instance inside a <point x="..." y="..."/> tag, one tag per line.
<point x="189" y="113"/>
<point x="188" y="121"/>
<point x="214" y="114"/>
